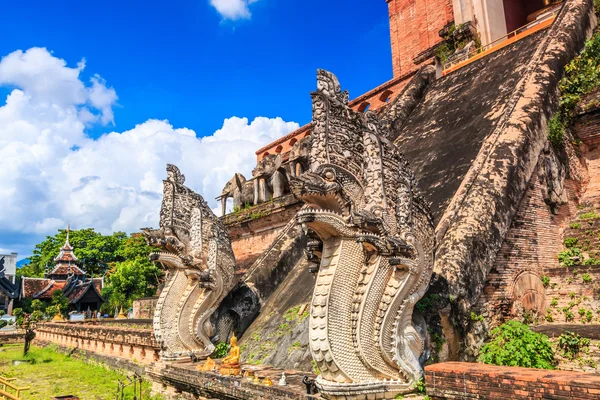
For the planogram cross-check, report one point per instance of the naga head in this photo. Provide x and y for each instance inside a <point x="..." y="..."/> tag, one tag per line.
<point x="370" y="238"/>
<point x="195" y="248"/>
<point x="180" y="237"/>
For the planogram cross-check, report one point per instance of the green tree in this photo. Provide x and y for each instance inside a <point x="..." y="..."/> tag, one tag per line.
<point x="96" y="252"/>
<point x="60" y="300"/>
<point x="130" y="280"/>
<point x="514" y="344"/>
<point x="38" y="305"/>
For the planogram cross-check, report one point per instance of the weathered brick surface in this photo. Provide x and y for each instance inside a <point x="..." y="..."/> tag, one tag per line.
<point x="414" y="28"/>
<point x="455" y="380"/>
<point x="144" y="308"/>
<point x="137" y="344"/>
<point x="12" y="337"/>
<point x="529" y="249"/>
<point x="184" y="381"/>
<point x="588" y="128"/>
<point x="252" y="231"/>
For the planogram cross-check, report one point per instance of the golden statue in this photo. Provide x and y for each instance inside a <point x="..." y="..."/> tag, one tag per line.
<point x="208" y="366"/>
<point x="231" y="364"/>
<point x="267" y="381"/>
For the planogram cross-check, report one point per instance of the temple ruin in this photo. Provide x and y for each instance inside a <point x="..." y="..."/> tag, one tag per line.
<point x="395" y="230"/>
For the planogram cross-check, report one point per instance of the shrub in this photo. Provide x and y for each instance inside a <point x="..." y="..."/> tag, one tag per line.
<point x="571" y="344"/>
<point x="589" y="215"/>
<point x="51" y="311"/>
<point x="221" y="350"/>
<point x="3" y="323"/>
<point x="514" y="344"/>
<point x="545" y="280"/>
<point x="569" y="316"/>
<point x="569" y="257"/>
<point x="571" y="242"/>
<point x="586" y="278"/>
<point x="554" y="302"/>
<point x="556" y="131"/>
<point x="575" y="225"/>
<point x="591" y="261"/>
<point x="582" y="75"/>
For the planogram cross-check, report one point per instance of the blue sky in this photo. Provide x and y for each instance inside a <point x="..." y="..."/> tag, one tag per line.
<point x="179" y="60"/>
<point x="95" y="98"/>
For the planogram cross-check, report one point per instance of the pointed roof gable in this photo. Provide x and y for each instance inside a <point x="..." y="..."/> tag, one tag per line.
<point x="66" y="252"/>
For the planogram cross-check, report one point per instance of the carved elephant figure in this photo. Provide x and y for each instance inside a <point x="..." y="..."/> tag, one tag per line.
<point x="240" y="190"/>
<point x="270" y="179"/>
<point x="298" y="158"/>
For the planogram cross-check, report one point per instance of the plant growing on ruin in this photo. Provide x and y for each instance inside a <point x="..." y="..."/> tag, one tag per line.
<point x="575" y="225"/>
<point x="221" y="350"/>
<point x="582" y="75"/>
<point x="571" y="344"/>
<point x="569" y="316"/>
<point x="554" y="302"/>
<point x="315" y="367"/>
<point x="475" y="317"/>
<point x="569" y="280"/>
<point x="586" y="278"/>
<point x="420" y="386"/>
<point x="545" y="280"/>
<point x="515" y="344"/>
<point x="428" y="302"/>
<point x="569" y="257"/>
<point x="549" y="315"/>
<point x="556" y="131"/>
<point x="591" y="261"/>
<point x="570" y="242"/>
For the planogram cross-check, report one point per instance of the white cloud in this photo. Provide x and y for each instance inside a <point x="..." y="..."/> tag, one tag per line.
<point x="233" y="9"/>
<point x="51" y="172"/>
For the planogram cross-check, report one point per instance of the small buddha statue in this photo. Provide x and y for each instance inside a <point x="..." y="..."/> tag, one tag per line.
<point x="231" y="364"/>
<point x="256" y="380"/>
<point x="208" y="365"/>
<point x="267" y="381"/>
<point x="282" y="380"/>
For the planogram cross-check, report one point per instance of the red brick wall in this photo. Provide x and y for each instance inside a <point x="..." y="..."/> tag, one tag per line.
<point x="455" y="380"/>
<point x="414" y="28"/>
<point x="588" y="128"/>
<point x="251" y="237"/>
<point x="118" y="342"/>
<point x="531" y="245"/>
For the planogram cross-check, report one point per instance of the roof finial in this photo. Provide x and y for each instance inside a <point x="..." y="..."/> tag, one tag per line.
<point x="68" y="230"/>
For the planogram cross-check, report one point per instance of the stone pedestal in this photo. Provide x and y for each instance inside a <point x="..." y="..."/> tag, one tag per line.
<point x="229" y="370"/>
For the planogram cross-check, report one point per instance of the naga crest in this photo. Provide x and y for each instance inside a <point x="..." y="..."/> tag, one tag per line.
<point x="371" y="240"/>
<point x="196" y="251"/>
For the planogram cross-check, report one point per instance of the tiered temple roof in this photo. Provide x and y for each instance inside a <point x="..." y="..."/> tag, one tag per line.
<point x="66" y="276"/>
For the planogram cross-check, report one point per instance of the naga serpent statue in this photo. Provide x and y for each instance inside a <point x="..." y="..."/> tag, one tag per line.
<point x="371" y="237"/>
<point x="196" y="251"/>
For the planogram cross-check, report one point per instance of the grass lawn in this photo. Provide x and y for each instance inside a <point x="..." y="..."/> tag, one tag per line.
<point x="55" y="374"/>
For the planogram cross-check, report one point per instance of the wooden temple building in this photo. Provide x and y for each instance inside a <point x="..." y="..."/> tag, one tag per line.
<point x="83" y="293"/>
